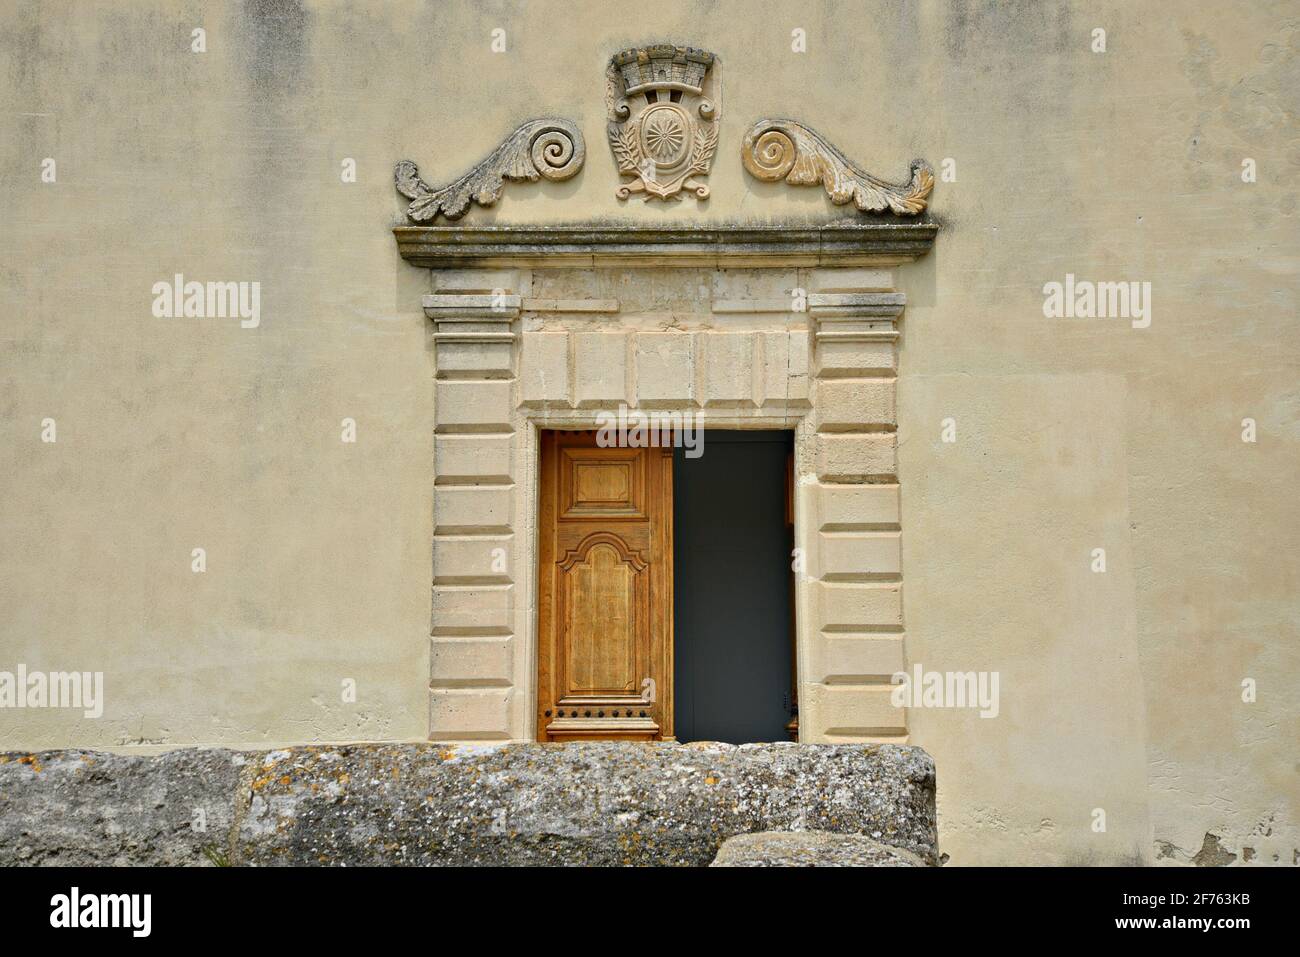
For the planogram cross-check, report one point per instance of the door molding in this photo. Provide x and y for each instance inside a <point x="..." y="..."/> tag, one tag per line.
<point x="520" y="347"/>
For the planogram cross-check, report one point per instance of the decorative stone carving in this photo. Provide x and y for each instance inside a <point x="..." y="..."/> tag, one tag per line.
<point x="662" y="123"/>
<point x="550" y="148"/>
<point x="776" y="149"/>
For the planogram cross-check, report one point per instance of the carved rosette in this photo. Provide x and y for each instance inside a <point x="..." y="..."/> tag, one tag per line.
<point x="785" y="149"/>
<point x="662" y="121"/>
<point x="549" y="148"/>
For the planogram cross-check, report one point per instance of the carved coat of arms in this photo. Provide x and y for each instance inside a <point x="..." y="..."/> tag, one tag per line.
<point x="662" y="120"/>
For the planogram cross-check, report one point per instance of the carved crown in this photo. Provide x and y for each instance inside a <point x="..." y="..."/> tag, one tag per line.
<point x="663" y="67"/>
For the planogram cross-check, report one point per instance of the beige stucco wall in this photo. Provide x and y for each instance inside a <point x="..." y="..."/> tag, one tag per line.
<point x="1119" y="691"/>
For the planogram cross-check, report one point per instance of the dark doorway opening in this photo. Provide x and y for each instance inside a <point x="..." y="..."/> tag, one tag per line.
<point x="732" y="588"/>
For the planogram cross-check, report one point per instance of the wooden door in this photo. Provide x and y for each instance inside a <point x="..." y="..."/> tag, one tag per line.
<point x="605" y="591"/>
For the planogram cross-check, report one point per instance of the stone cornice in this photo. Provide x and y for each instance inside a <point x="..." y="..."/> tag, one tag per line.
<point x="579" y="247"/>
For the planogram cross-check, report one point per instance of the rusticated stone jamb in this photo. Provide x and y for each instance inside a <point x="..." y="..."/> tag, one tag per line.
<point x="851" y="595"/>
<point x="474" y="632"/>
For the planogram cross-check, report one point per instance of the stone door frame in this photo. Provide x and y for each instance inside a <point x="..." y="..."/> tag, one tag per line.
<point x="527" y="499"/>
<point x="512" y="358"/>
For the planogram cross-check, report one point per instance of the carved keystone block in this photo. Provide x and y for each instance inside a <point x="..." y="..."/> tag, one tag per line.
<point x="665" y="369"/>
<point x="601" y="369"/>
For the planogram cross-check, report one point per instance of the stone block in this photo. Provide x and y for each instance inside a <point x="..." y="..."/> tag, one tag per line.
<point x="853" y="405"/>
<point x="600" y="361"/>
<point x="486" y="355"/>
<point x="493" y="305"/>
<point x="665" y="369"/>
<point x="515" y="804"/>
<point x="468" y="559"/>
<point x="862" y="659"/>
<point x="728" y="368"/>
<point x="851" y="712"/>
<point x="472" y="459"/>
<point x="471" y="662"/>
<point x="94" y="809"/>
<point x="857" y="457"/>
<point x="846" y="556"/>
<point x="458" y="804"/>
<point x="472" y="406"/>
<point x="856" y="507"/>
<point x="859" y="606"/>
<point x="879" y="305"/>
<point x="458" y="509"/>
<point x="469" y="714"/>
<point x="848" y="354"/>
<point x="476" y="609"/>
<point x="784" y="378"/>
<point x="544" y="369"/>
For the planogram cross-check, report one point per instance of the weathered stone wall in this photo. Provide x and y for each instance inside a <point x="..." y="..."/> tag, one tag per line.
<point x="598" y="804"/>
<point x="1120" y="691"/>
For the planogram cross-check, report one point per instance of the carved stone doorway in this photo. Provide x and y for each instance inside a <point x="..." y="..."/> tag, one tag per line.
<point x="756" y="327"/>
<point x="771" y="328"/>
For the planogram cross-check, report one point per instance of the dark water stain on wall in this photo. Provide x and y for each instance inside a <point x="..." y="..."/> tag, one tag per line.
<point x="276" y="41"/>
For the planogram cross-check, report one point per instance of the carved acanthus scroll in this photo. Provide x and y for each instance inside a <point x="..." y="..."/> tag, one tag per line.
<point x="550" y="148"/>
<point x="776" y="149"/>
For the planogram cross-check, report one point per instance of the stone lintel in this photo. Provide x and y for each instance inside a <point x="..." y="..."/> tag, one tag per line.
<point x="886" y="242"/>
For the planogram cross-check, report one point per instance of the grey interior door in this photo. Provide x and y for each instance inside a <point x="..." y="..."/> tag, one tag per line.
<point x="732" y="582"/>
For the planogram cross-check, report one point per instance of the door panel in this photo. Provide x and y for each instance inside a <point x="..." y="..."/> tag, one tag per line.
<point x="605" y="591"/>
